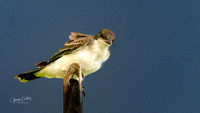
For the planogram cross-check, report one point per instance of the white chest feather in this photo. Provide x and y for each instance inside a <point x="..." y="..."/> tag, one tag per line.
<point x="90" y="59"/>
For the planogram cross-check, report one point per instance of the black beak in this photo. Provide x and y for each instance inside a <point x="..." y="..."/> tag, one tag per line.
<point x="108" y="41"/>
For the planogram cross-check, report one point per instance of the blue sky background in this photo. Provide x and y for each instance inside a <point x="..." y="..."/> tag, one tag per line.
<point x="154" y="65"/>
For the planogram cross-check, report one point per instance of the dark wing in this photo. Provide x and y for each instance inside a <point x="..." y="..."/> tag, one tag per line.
<point x="41" y="64"/>
<point x="69" y="47"/>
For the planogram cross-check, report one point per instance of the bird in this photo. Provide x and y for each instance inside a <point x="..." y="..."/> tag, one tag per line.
<point x="89" y="51"/>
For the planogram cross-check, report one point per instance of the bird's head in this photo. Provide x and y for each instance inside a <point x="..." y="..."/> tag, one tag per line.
<point x="107" y="35"/>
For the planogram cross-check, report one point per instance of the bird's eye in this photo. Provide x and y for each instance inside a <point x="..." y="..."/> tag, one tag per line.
<point x="100" y="34"/>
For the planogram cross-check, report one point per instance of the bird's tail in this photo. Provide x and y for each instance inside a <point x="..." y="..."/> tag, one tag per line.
<point x="28" y="76"/>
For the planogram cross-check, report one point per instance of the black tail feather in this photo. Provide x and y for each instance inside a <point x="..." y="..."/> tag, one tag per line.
<point x="28" y="76"/>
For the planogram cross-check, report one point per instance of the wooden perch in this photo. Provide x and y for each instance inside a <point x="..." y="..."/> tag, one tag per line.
<point x="72" y="90"/>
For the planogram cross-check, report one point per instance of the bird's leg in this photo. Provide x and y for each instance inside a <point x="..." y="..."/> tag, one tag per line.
<point x="83" y="88"/>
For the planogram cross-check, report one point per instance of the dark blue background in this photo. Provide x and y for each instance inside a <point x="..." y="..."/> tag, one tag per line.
<point x="154" y="65"/>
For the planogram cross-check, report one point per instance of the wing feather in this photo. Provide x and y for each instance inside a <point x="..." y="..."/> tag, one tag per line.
<point x="68" y="48"/>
